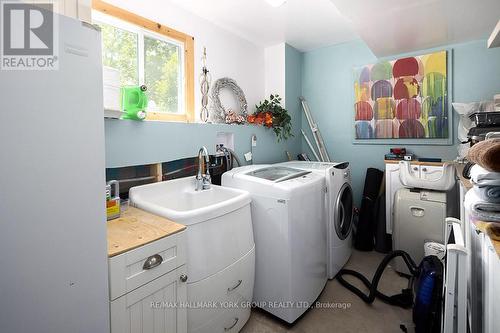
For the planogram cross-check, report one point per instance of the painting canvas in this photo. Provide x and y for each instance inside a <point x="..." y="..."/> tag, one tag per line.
<point x="402" y="99"/>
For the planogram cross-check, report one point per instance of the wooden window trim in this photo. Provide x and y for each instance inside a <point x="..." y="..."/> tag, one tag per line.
<point x="188" y="42"/>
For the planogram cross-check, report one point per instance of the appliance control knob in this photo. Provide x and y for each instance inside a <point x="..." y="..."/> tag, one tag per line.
<point x="183" y="278"/>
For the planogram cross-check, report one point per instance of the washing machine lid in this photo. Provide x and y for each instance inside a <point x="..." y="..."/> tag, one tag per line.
<point x="309" y="165"/>
<point x="277" y="174"/>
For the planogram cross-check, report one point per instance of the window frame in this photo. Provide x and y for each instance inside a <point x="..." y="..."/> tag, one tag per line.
<point x="146" y="27"/>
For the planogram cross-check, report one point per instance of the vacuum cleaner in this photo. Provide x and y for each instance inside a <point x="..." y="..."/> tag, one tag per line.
<point x="424" y="292"/>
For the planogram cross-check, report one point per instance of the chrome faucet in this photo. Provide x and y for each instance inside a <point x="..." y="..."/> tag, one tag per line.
<point x="203" y="181"/>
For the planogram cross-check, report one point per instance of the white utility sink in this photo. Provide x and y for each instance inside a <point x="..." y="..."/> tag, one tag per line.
<point x="178" y="200"/>
<point x="219" y="244"/>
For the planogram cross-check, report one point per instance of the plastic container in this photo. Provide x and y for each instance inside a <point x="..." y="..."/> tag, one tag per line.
<point x="124" y="204"/>
<point x="134" y="102"/>
<point x="486" y="119"/>
<point x="112" y="200"/>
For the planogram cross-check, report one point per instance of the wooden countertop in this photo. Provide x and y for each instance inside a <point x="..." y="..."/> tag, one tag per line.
<point x="492" y="230"/>
<point x="459" y="168"/>
<point x="136" y="228"/>
<point x="415" y="162"/>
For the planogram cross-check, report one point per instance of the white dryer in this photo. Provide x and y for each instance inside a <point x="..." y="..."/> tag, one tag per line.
<point x="290" y="236"/>
<point x="339" y="209"/>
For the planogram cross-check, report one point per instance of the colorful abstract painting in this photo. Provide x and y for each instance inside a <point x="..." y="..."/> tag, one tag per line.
<point x="402" y="99"/>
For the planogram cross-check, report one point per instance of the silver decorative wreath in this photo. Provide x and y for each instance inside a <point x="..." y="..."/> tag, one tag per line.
<point x="218" y="112"/>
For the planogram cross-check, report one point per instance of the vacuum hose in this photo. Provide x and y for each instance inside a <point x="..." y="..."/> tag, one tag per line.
<point x="404" y="300"/>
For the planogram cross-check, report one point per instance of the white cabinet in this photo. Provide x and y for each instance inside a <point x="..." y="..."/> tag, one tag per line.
<point x="77" y="9"/>
<point x="392" y="184"/>
<point x="148" y="288"/>
<point x="158" y="306"/>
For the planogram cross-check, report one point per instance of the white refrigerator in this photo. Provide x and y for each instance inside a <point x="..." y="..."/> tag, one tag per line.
<point x="53" y="252"/>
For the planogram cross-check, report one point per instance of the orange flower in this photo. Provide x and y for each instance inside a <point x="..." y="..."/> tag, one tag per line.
<point x="268" y="119"/>
<point x="260" y="118"/>
<point x="251" y="118"/>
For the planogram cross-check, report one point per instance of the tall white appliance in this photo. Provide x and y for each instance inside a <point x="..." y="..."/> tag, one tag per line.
<point x="338" y="210"/>
<point x="53" y="250"/>
<point x="290" y="236"/>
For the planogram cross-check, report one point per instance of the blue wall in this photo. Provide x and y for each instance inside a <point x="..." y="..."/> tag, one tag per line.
<point x="135" y="143"/>
<point x="327" y="84"/>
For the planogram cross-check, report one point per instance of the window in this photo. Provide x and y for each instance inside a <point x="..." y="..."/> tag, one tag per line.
<point x="148" y="53"/>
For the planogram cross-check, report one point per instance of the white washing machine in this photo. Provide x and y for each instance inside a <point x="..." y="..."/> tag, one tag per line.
<point x="339" y="210"/>
<point x="290" y="236"/>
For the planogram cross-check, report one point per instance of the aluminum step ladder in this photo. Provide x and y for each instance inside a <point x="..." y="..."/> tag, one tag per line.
<point x="322" y="154"/>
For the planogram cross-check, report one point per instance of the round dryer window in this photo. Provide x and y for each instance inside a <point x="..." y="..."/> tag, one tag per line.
<point x="343" y="212"/>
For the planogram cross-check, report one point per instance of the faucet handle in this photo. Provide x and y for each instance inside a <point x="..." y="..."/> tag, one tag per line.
<point x="207" y="177"/>
<point x="207" y="181"/>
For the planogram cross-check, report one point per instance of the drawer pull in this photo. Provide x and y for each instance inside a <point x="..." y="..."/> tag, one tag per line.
<point x="424" y="169"/>
<point x="236" y="286"/>
<point x="152" y="262"/>
<point x="234" y="324"/>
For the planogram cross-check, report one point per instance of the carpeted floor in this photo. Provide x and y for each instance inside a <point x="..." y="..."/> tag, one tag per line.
<point x="353" y="316"/>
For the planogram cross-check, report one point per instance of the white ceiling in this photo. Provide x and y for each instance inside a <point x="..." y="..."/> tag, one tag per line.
<point x="304" y="24"/>
<point x="397" y="26"/>
<point x="388" y="27"/>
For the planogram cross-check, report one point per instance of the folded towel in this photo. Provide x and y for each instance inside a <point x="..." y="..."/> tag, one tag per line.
<point x="488" y="193"/>
<point x="482" y="177"/>
<point x="487" y="154"/>
<point x="486" y="211"/>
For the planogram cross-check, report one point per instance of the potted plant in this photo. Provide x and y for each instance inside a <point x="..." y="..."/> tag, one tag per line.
<point x="271" y="114"/>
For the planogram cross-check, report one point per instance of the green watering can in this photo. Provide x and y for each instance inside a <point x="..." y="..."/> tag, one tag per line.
<point x="134" y="102"/>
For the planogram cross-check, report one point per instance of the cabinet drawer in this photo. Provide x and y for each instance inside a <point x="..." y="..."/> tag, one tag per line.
<point x="129" y="270"/>
<point x="232" y="284"/>
<point x="230" y="320"/>
<point x="154" y="307"/>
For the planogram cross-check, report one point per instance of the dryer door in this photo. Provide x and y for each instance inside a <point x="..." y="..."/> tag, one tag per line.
<point x="343" y="212"/>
